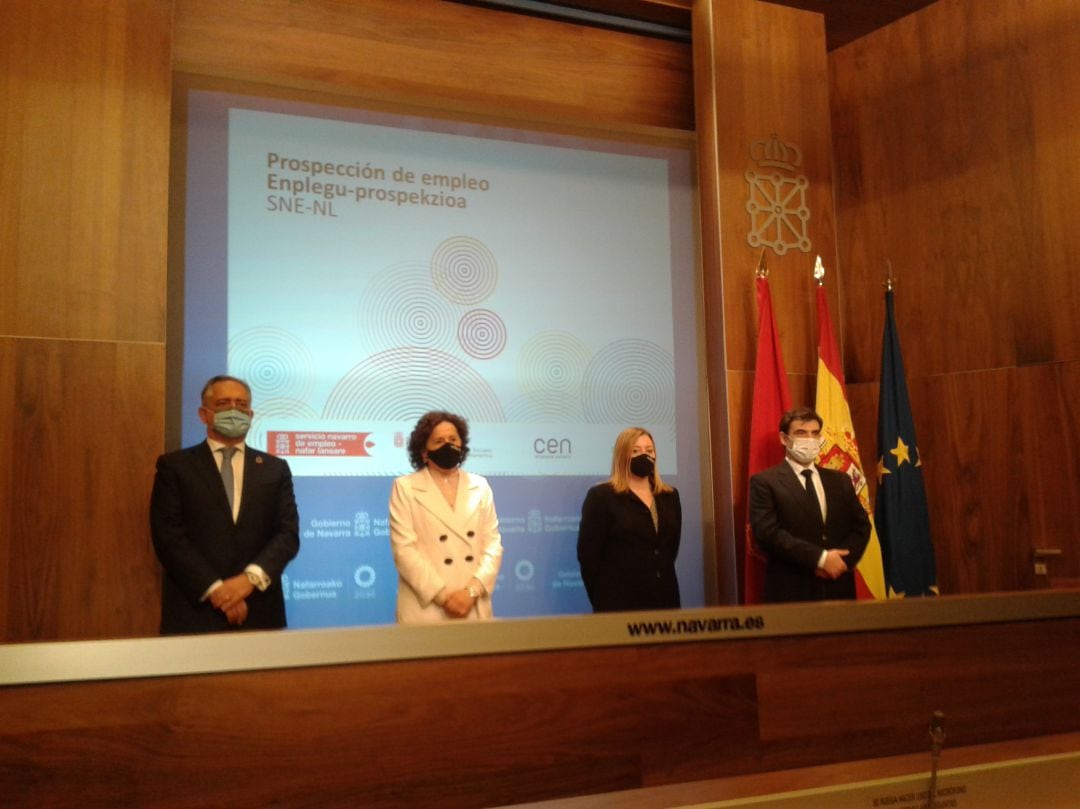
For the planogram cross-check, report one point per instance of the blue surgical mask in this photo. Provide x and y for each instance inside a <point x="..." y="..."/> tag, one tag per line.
<point x="232" y="423"/>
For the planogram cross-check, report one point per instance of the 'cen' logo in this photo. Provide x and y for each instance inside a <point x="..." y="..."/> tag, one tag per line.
<point x="553" y="447"/>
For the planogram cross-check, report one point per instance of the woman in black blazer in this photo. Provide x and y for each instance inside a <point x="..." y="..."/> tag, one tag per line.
<point x="629" y="533"/>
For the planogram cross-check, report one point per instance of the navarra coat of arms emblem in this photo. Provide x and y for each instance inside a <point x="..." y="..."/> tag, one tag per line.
<point x="776" y="199"/>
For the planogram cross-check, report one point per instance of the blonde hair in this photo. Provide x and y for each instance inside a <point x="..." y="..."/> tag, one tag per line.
<point x="620" y="461"/>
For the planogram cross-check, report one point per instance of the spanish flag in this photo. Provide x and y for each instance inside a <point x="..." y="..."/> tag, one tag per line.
<point x="839" y="448"/>
<point x="771" y="399"/>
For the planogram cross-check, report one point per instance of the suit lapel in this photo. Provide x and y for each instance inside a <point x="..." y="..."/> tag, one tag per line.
<point x="797" y="488"/>
<point x="833" y="496"/>
<point x="253" y="466"/>
<point x="468" y="498"/>
<point x="455" y="519"/>
<point x="207" y="468"/>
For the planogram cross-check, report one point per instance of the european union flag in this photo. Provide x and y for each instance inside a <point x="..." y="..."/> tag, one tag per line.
<point x="900" y="512"/>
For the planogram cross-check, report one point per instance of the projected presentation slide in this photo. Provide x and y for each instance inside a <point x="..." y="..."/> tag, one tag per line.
<point x="359" y="268"/>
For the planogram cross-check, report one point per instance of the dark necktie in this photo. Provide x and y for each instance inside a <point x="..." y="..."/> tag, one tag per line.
<point x="811" y="490"/>
<point x="227" y="473"/>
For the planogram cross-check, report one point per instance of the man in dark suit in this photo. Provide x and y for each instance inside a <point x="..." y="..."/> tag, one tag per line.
<point x="224" y="523"/>
<point x="807" y="520"/>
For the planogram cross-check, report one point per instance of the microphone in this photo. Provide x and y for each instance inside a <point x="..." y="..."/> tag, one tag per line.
<point x="937" y="740"/>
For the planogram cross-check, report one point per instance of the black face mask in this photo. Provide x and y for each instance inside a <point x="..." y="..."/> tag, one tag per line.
<point x="642" y="466"/>
<point x="445" y="457"/>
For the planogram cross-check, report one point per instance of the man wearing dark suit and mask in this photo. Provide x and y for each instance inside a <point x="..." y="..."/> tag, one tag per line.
<point x="224" y="523"/>
<point x="812" y="538"/>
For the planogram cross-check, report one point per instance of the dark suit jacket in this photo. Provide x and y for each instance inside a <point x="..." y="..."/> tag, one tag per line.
<point x="789" y="531"/>
<point x="198" y="543"/>
<point x="626" y="564"/>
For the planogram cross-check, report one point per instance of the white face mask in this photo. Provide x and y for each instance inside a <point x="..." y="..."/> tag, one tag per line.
<point x="805" y="450"/>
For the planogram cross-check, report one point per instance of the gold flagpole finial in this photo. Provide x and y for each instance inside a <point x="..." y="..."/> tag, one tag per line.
<point x="762" y="269"/>
<point x="819" y="271"/>
<point x="888" y="276"/>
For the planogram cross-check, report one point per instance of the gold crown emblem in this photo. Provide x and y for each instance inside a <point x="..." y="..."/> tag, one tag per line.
<point x="776" y="153"/>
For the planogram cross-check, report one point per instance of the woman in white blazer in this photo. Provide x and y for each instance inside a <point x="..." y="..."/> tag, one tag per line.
<point x="443" y="528"/>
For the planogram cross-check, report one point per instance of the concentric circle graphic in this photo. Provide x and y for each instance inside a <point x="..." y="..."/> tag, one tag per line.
<point x="464" y="270"/>
<point x="400" y="307"/>
<point x="273" y="361"/>
<point x="630" y="382"/>
<point x="552" y="362"/>
<point x="482" y="334"/>
<point x="270" y="409"/>
<point x="539" y="408"/>
<point x="403" y="383"/>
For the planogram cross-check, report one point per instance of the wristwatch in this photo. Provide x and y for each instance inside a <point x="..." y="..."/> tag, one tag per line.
<point x="255" y="580"/>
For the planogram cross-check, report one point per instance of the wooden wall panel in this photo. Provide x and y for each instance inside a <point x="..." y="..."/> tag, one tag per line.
<point x="761" y="73"/>
<point x="801" y="708"/>
<point x="740" y="389"/>
<point x="84" y="176"/>
<point x="442" y="54"/>
<point x="483" y="731"/>
<point x="84" y="145"/>
<point x="769" y="77"/>
<point x="78" y="470"/>
<point x="951" y="132"/>
<point x="1048" y="53"/>
<point x="987" y="517"/>
<point x="970" y="497"/>
<point x="7" y="478"/>
<point x="1043" y="420"/>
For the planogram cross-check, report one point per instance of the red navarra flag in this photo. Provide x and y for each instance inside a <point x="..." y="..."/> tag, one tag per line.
<point x="771" y="400"/>
<point x="839" y="450"/>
